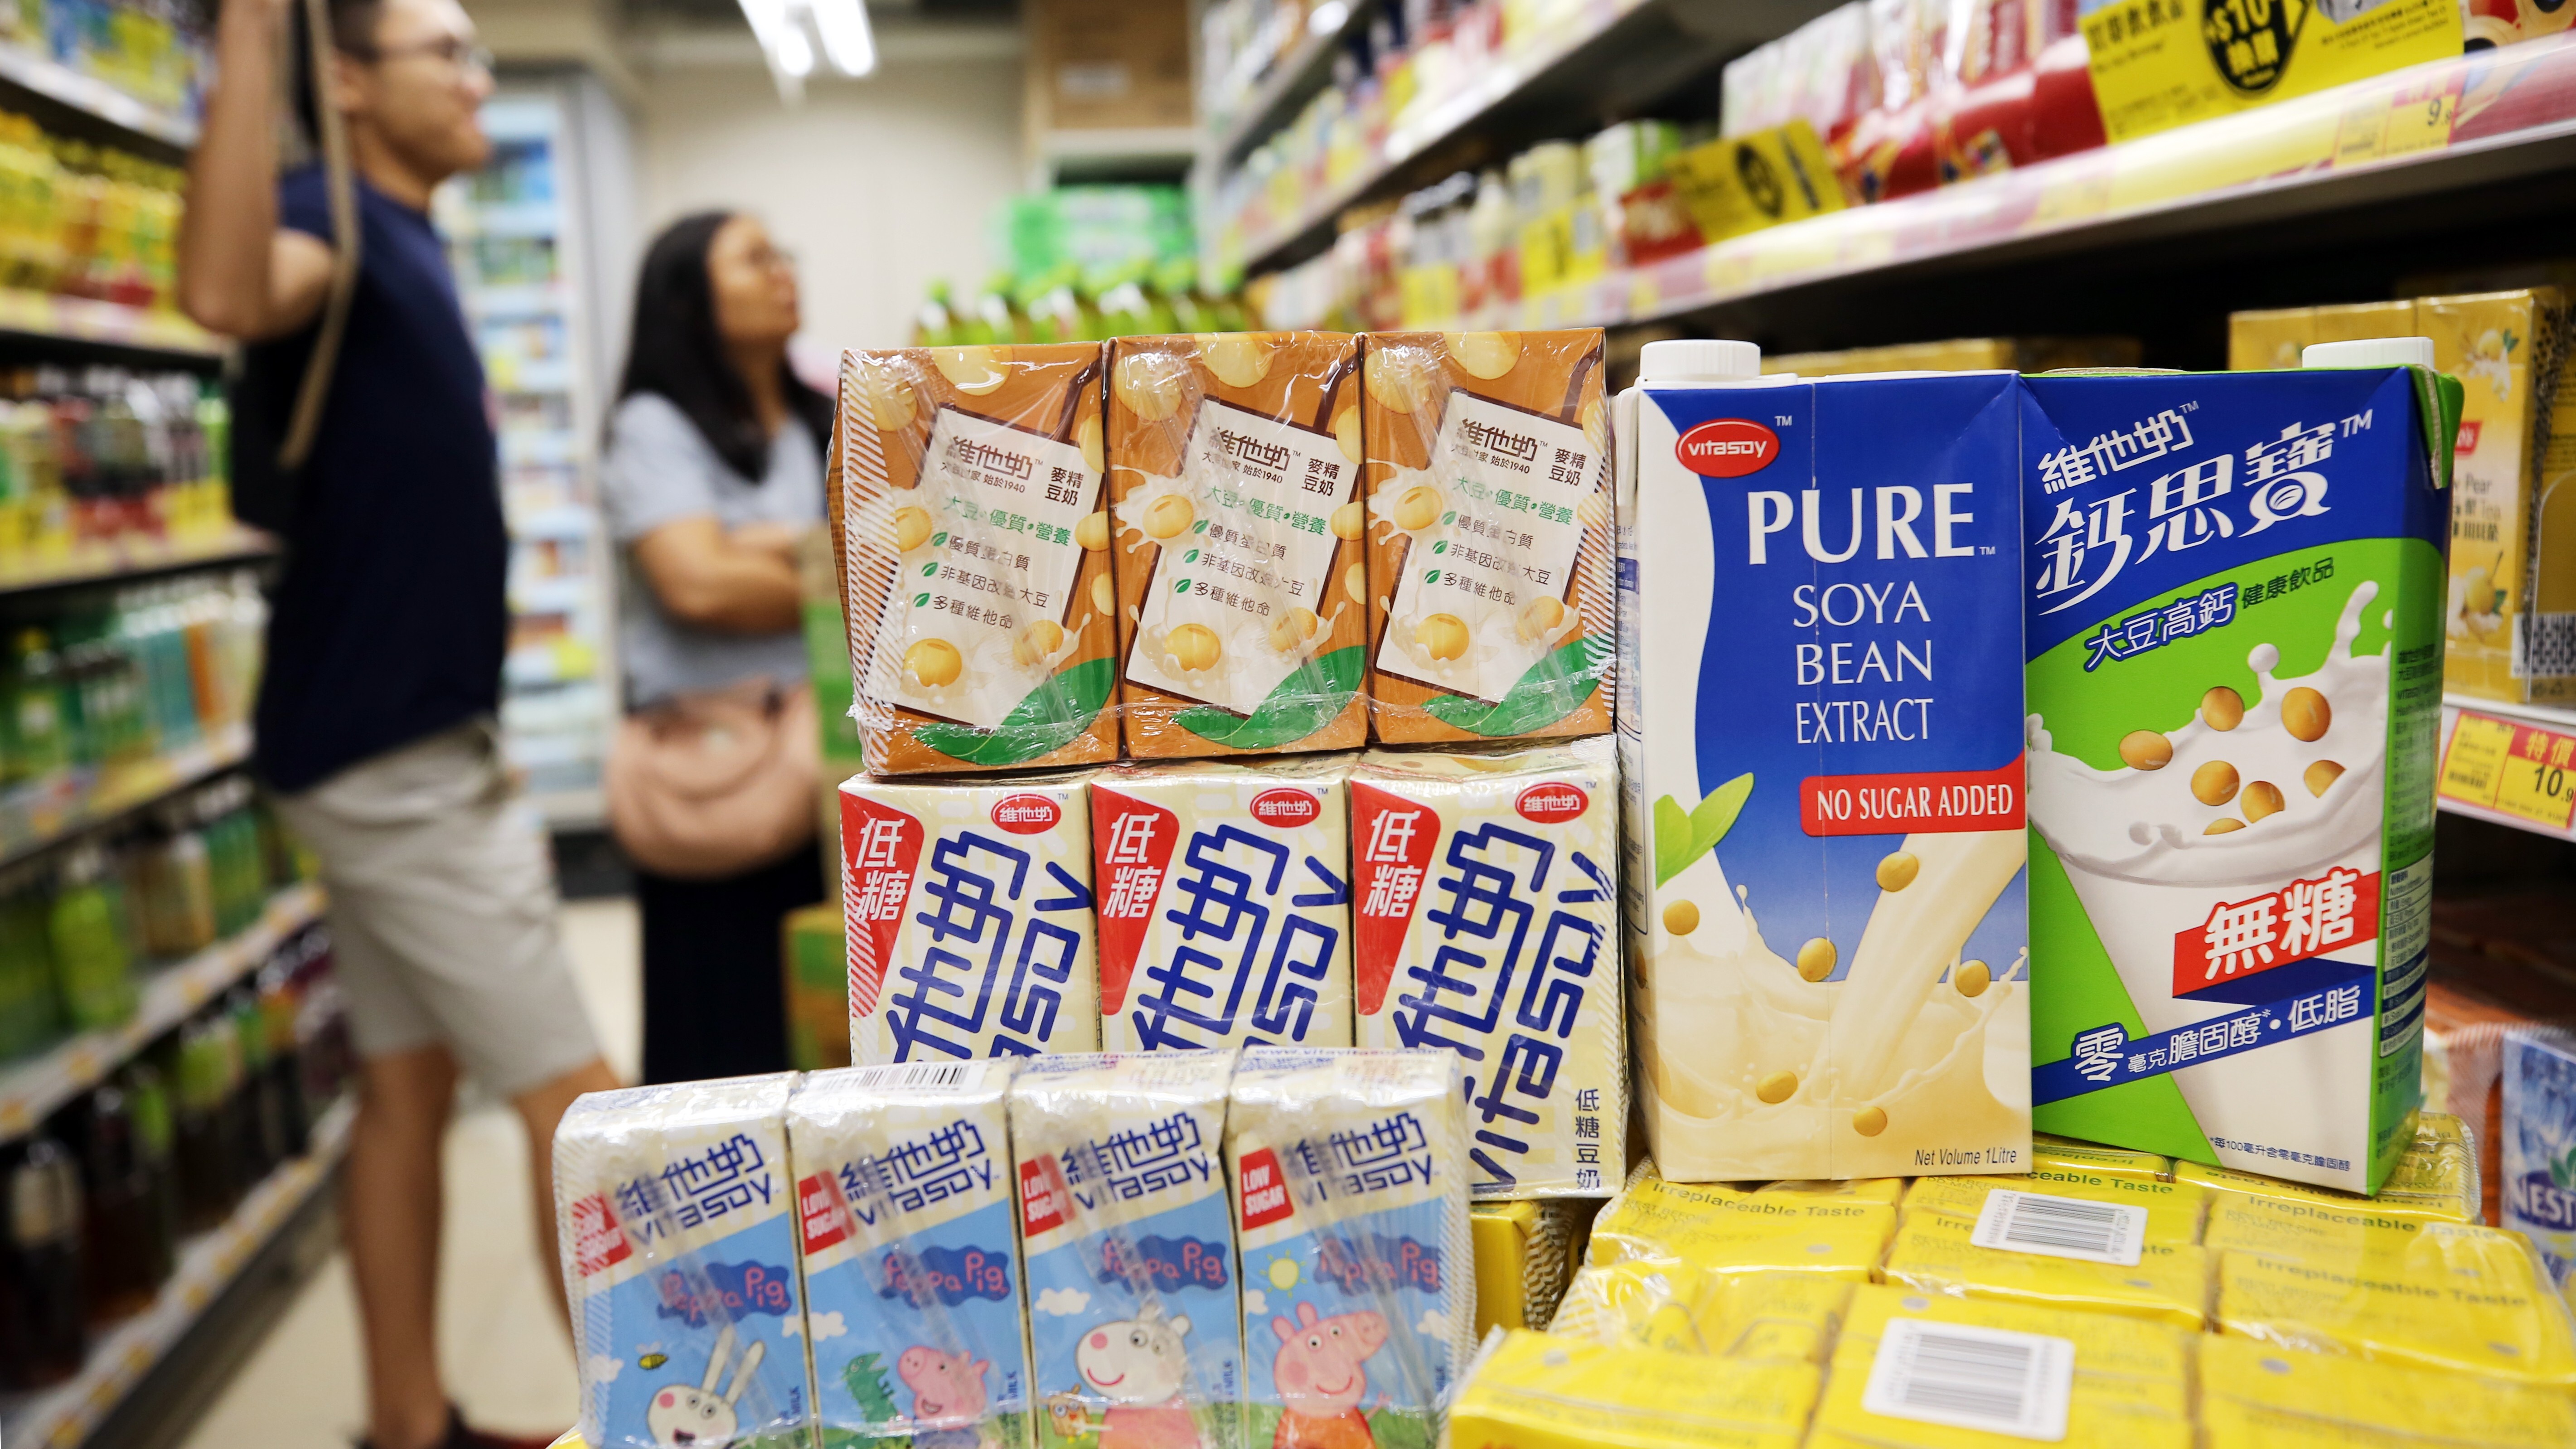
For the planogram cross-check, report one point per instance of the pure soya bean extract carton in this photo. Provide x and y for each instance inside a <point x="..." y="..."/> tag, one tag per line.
<point x="1358" y="1275"/>
<point x="673" y="1209"/>
<point x="1821" y="749"/>
<point x="2235" y="632"/>
<point x="1225" y="903"/>
<point x="968" y="913"/>
<point x="1234" y="470"/>
<point x="912" y="1275"/>
<point x="974" y="540"/>
<point x="1487" y="909"/>
<point x="1491" y="554"/>
<point x="1135" y="1331"/>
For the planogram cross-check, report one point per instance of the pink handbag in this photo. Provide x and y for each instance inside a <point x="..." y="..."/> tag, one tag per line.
<point x="712" y="784"/>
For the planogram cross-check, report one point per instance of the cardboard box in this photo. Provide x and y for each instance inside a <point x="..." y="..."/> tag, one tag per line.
<point x="1491" y="547"/>
<point x="974" y="535"/>
<point x="1242" y="595"/>
<point x="1966" y="354"/>
<point x="1109" y="64"/>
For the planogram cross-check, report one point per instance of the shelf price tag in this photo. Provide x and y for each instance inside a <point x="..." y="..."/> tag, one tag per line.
<point x="2516" y="769"/>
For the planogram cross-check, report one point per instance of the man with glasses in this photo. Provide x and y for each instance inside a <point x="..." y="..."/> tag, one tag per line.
<point x="375" y="724"/>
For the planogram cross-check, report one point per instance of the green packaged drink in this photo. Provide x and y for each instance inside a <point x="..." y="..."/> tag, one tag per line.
<point x="29" y="1015"/>
<point x="93" y="955"/>
<point x="39" y="718"/>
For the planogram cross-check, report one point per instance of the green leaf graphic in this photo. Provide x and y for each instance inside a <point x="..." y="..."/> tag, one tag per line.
<point x="1441" y="547"/>
<point x="930" y="571"/>
<point x="1449" y="517"/>
<point x="1056" y="711"/>
<point x="1199" y="527"/>
<point x="1432" y="577"/>
<point x="1191" y="557"/>
<point x="1182" y="587"/>
<point x="1301" y="704"/>
<point x="918" y="600"/>
<point x="940" y="537"/>
<point x="1554" y="687"/>
<point x="1680" y="840"/>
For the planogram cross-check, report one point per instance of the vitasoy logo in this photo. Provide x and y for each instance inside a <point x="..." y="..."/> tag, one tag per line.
<point x="1285" y="809"/>
<point x="1026" y="814"/>
<point x="1551" y="803"/>
<point x="1727" y="448"/>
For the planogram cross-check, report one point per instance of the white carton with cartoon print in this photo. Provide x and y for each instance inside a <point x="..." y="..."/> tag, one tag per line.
<point x="912" y="1277"/>
<point x="679" y="1260"/>
<point x="1134" y="1329"/>
<point x="1358" y="1277"/>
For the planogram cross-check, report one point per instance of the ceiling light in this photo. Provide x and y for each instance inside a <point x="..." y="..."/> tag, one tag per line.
<point x="846" y="37"/>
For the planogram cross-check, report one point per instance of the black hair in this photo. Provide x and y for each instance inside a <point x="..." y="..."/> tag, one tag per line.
<point x="353" y="33"/>
<point x="677" y="353"/>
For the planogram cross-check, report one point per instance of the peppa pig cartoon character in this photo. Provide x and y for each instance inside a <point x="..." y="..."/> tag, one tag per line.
<point x="948" y="1397"/>
<point x="680" y="1414"/>
<point x="1321" y="1373"/>
<point x="1139" y="1365"/>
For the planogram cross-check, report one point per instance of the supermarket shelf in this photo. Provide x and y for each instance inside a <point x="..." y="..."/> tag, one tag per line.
<point x="131" y="560"/>
<point x="571" y="809"/>
<point x="2515" y="765"/>
<point x="53" y="318"/>
<point x="2505" y="116"/>
<point x="64" y="1416"/>
<point x="31" y="1090"/>
<point x="31" y="820"/>
<point x="1271" y="101"/>
<point x="95" y="97"/>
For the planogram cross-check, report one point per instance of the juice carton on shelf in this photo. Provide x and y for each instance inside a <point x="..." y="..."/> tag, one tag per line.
<point x="1351" y="1217"/>
<point x="1225" y="903"/>
<point x="969" y="917"/>
<point x="2235" y="685"/>
<point x="1135" y="1326"/>
<point x="673" y="1208"/>
<point x="2539" y="1196"/>
<point x="1820" y="747"/>
<point x="912" y="1274"/>
<point x="1488" y="912"/>
<point x="2273" y="340"/>
<point x="974" y="540"/>
<point x="1242" y="595"/>
<point x="1491" y="558"/>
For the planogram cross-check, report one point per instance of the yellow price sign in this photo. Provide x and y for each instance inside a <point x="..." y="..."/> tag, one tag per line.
<point x="2514" y="769"/>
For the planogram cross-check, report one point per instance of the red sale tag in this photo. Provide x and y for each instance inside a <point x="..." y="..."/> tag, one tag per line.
<point x="1934" y="802"/>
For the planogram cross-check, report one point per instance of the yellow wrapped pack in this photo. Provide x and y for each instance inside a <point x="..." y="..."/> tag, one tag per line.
<point x="1975" y="1375"/>
<point x="2049" y="1153"/>
<point x="1730" y="1230"/>
<point x="2173" y="1209"/>
<point x="2258" y="1396"/>
<point x="1525" y="1252"/>
<point x="1936" y="1253"/>
<point x="2437" y="1295"/>
<point x="2436" y="1178"/>
<point x="1543" y="1391"/>
<point x="1868" y="1189"/>
<point x="1678" y="1308"/>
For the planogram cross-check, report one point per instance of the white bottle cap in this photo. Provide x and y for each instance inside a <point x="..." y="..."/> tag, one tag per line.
<point x="1699" y="361"/>
<point x="2370" y="352"/>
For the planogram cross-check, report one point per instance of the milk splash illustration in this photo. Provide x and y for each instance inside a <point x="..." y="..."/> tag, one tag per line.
<point x="2244" y="800"/>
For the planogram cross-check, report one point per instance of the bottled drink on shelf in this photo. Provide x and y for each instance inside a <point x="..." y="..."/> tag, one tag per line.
<point x="44" y="1330"/>
<point x="30" y="1014"/>
<point x="207" y="1127"/>
<point x="87" y="928"/>
<point x="130" y="1252"/>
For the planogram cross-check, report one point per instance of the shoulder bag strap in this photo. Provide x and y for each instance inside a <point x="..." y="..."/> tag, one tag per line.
<point x="340" y="182"/>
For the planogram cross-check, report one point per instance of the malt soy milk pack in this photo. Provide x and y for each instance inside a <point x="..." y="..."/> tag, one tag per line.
<point x="1234" y="470"/>
<point x="1135" y="1330"/>
<point x="967" y="910"/>
<point x="912" y="1272"/>
<point x="673" y="1207"/>
<point x="974" y="536"/>
<point x="2235" y="592"/>
<point x="1225" y="904"/>
<point x="1821" y="750"/>
<point x="1492" y="612"/>
<point x="1359" y="1282"/>
<point x="1487" y="898"/>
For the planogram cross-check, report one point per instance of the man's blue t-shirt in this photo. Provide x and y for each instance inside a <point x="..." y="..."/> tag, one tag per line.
<point x="391" y="620"/>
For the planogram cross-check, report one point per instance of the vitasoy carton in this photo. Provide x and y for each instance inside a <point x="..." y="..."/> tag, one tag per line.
<point x="1487" y="905"/>
<point x="1821" y="751"/>
<point x="2235" y="627"/>
<point x="967" y="913"/>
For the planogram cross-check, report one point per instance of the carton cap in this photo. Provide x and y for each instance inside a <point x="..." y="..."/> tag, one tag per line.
<point x="1699" y="361"/>
<point x="2368" y="352"/>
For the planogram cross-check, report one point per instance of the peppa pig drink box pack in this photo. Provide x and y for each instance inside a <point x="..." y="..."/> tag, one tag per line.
<point x="1358" y="1275"/>
<point x="912" y="1276"/>
<point x="679" y="1260"/>
<point x="1135" y="1334"/>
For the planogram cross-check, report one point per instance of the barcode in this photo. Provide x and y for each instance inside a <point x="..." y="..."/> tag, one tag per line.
<point x="2062" y="1227"/>
<point x="917" y="1075"/>
<point x="1972" y="1378"/>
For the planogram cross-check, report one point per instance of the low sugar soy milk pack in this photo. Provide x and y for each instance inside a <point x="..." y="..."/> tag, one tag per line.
<point x="1821" y="748"/>
<point x="2235" y="602"/>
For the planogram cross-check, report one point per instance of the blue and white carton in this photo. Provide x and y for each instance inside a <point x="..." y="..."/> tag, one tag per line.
<point x="2539" y="1147"/>
<point x="912" y="1272"/>
<point x="1135" y="1333"/>
<point x="1350" y="1193"/>
<point x="1820" y="748"/>
<point x="673" y="1206"/>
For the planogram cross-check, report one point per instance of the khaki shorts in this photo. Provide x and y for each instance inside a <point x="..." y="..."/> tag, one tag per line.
<point x="442" y="911"/>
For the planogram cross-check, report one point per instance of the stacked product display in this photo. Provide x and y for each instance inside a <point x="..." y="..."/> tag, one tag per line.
<point x="1082" y="264"/>
<point x="101" y="463"/>
<point x="156" y="53"/>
